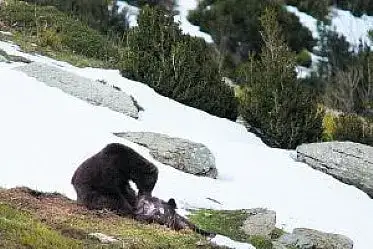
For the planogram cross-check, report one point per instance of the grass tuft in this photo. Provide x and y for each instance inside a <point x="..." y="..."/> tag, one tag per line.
<point x="229" y="223"/>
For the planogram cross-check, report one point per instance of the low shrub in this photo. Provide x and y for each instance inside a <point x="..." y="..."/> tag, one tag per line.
<point x="304" y="58"/>
<point x="353" y="128"/>
<point x="274" y="101"/>
<point x="328" y="127"/>
<point x="348" y="127"/>
<point x="177" y="66"/>
<point x="50" y="38"/>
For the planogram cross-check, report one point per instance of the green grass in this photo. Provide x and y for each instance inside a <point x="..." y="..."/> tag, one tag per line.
<point x="228" y="223"/>
<point x="20" y="229"/>
<point x="143" y="236"/>
<point x="53" y="33"/>
<point x="27" y="44"/>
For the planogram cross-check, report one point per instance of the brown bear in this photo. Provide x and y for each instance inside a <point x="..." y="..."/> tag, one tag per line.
<point x="102" y="181"/>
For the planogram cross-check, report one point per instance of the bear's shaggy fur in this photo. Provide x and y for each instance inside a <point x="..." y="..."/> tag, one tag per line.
<point x="102" y="181"/>
<point x="154" y="210"/>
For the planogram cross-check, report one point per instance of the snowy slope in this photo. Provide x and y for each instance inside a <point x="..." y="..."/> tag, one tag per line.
<point x="343" y="22"/>
<point x="45" y="134"/>
<point x="353" y="28"/>
<point x="183" y="6"/>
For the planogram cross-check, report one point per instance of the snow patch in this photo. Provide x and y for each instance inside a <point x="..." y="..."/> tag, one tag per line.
<point x="132" y="13"/>
<point x="183" y="7"/>
<point x="225" y="241"/>
<point x="352" y="27"/>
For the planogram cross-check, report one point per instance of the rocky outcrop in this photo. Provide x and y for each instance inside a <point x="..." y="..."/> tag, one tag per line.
<point x="351" y="163"/>
<point x="181" y="154"/>
<point x="93" y="92"/>
<point x="259" y="221"/>
<point x="303" y="238"/>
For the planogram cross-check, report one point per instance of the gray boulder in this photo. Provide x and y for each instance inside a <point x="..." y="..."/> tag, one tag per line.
<point x="181" y="154"/>
<point x="93" y="92"/>
<point x="303" y="238"/>
<point x="4" y="57"/>
<point x="259" y="221"/>
<point x="351" y="163"/>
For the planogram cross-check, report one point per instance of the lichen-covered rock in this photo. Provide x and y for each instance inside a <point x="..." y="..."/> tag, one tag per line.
<point x="181" y="154"/>
<point x="88" y="90"/>
<point x="351" y="163"/>
<point x="260" y="222"/>
<point x="303" y="238"/>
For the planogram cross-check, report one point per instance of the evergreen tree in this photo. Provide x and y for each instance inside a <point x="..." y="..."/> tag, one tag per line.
<point x="150" y="46"/>
<point x="274" y="101"/>
<point x="175" y="65"/>
<point x="234" y="25"/>
<point x="93" y="12"/>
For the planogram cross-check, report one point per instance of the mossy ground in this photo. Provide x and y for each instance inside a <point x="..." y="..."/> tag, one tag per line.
<point x="26" y="23"/>
<point x="29" y="44"/>
<point x="44" y="221"/>
<point x="228" y="223"/>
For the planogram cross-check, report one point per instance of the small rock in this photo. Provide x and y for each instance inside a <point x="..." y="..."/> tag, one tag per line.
<point x="304" y="238"/>
<point x="259" y="222"/>
<point x="16" y="58"/>
<point x="4" y="57"/>
<point x="103" y="238"/>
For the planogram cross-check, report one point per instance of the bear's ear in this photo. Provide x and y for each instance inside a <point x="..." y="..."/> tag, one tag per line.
<point x="172" y="203"/>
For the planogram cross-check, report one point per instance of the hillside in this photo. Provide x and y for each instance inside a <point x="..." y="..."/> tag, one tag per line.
<point x="55" y="132"/>
<point x="46" y="133"/>
<point x="31" y="219"/>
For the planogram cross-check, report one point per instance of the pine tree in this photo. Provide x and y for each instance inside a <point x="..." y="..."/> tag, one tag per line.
<point x="274" y="100"/>
<point x="175" y="65"/>
<point x="150" y="46"/>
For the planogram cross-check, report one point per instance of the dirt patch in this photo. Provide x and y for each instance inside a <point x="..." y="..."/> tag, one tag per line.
<point x="53" y="209"/>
